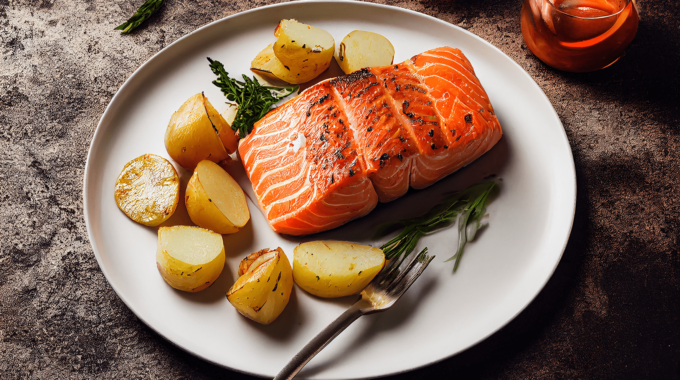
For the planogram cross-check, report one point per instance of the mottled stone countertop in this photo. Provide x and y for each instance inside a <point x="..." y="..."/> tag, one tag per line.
<point x="611" y="310"/>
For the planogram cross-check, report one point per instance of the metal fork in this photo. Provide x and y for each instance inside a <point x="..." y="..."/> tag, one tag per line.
<point x="385" y="289"/>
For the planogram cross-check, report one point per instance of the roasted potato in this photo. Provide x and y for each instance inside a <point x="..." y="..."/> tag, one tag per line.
<point x="332" y="269"/>
<point x="147" y="190"/>
<point x="361" y="49"/>
<point x="269" y="67"/>
<point x="264" y="287"/>
<point x="300" y="53"/>
<point x="197" y="132"/>
<point x="215" y="201"/>
<point x="189" y="258"/>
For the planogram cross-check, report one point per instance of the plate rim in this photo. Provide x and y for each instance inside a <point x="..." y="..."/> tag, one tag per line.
<point x="97" y="136"/>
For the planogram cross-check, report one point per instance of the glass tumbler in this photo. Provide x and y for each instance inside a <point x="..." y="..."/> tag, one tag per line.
<point x="579" y="35"/>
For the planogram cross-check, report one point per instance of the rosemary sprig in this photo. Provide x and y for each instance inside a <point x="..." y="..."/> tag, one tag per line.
<point x="469" y="206"/>
<point x="254" y="100"/>
<point x="143" y="13"/>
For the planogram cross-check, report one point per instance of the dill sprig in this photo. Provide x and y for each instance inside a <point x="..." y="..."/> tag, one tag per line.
<point x="143" y="13"/>
<point x="254" y="100"/>
<point x="467" y="206"/>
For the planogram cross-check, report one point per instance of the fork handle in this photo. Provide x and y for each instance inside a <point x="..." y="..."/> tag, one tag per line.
<point x="320" y="341"/>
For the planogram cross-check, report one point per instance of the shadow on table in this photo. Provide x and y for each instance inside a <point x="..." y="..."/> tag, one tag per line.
<point x="644" y="78"/>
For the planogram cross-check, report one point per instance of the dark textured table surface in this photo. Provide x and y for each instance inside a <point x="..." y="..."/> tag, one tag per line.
<point x="611" y="310"/>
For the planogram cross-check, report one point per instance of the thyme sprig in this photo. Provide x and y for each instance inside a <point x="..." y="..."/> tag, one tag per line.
<point x="467" y="206"/>
<point x="254" y="100"/>
<point x="143" y="13"/>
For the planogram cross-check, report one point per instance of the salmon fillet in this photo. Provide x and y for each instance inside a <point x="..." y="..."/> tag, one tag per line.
<point x="328" y="155"/>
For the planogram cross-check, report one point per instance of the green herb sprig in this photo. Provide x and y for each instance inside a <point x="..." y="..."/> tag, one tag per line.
<point x="254" y="100"/>
<point x="468" y="206"/>
<point x="143" y="13"/>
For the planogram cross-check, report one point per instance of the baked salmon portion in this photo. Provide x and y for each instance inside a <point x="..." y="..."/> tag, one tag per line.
<point x="328" y="155"/>
<point x="302" y="161"/>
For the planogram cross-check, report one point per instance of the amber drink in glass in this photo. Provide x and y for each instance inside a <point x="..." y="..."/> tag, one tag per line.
<point x="579" y="35"/>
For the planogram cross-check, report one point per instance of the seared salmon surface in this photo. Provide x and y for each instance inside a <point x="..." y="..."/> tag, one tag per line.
<point x="328" y="155"/>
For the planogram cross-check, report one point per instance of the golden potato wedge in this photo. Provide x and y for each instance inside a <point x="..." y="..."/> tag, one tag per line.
<point x="264" y="287"/>
<point x="361" y="49"/>
<point x="215" y="201"/>
<point x="197" y="132"/>
<point x="147" y="190"/>
<point x="330" y="269"/>
<point x="189" y="258"/>
<point x="303" y="51"/>
<point x="269" y="67"/>
<point x="297" y="42"/>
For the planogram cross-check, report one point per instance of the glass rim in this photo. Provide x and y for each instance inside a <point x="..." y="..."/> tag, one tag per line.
<point x="590" y="18"/>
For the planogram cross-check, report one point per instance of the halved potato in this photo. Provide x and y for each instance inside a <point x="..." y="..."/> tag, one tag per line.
<point x="214" y="199"/>
<point x="298" y="42"/>
<point x="198" y="132"/>
<point x="300" y="53"/>
<point x="147" y="190"/>
<point x="269" y="67"/>
<point x="330" y="269"/>
<point x="263" y="289"/>
<point x="189" y="258"/>
<point x="361" y="49"/>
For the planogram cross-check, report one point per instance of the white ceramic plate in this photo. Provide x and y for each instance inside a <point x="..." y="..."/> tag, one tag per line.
<point x="443" y="313"/>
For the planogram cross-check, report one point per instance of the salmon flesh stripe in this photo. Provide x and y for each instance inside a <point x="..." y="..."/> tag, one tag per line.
<point x="331" y="153"/>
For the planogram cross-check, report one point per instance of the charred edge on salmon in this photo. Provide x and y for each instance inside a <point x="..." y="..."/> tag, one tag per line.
<point x="350" y="79"/>
<point x="468" y="118"/>
<point x="339" y="155"/>
<point x="351" y="172"/>
<point x="400" y="157"/>
<point x="402" y="139"/>
<point x="385" y="156"/>
<point x="404" y="106"/>
<point x="331" y="179"/>
<point x="369" y="128"/>
<point x="431" y="132"/>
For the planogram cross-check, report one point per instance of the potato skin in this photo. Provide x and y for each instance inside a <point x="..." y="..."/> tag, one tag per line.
<point x="203" y="212"/>
<point x="360" y="49"/>
<point x="263" y="294"/>
<point x="191" y="137"/>
<point x="320" y="269"/>
<point x="268" y="66"/>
